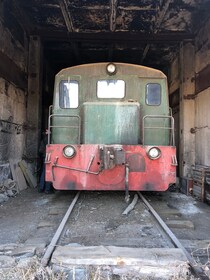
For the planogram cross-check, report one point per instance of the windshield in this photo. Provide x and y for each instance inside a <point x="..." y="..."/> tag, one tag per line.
<point x="69" y="94"/>
<point x="110" y="89"/>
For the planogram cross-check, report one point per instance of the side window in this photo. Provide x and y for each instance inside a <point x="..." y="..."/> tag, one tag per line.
<point x="153" y="94"/>
<point x="69" y="94"/>
<point x="110" y="89"/>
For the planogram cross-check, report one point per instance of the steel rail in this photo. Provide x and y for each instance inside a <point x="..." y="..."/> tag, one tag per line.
<point x="57" y="235"/>
<point x="195" y="267"/>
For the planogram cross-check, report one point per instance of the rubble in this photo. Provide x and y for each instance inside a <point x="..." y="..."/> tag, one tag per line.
<point x="8" y="188"/>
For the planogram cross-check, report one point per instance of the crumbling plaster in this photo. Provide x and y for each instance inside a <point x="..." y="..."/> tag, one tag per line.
<point x="13" y="108"/>
<point x="12" y="102"/>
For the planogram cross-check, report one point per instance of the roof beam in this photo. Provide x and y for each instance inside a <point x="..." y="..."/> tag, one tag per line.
<point x="161" y="15"/>
<point x="113" y="14"/>
<point x="110" y="52"/>
<point x="69" y="24"/>
<point x="114" y="37"/>
<point x="66" y="15"/>
<point x="160" y="18"/>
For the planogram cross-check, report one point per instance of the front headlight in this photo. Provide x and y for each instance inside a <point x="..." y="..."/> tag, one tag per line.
<point x="154" y="153"/>
<point x="69" y="151"/>
<point x="111" y="68"/>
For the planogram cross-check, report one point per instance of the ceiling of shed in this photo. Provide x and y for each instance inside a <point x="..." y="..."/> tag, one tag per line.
<point x="144" y="32"/>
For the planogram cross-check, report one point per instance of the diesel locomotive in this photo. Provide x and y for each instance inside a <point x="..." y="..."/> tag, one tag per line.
<point x="110" y="129"/>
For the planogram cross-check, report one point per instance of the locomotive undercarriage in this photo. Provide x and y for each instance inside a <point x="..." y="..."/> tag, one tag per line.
<point x="110" y="167"/>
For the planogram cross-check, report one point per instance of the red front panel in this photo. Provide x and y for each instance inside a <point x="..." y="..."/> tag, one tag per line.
<point x="144" y="174"/>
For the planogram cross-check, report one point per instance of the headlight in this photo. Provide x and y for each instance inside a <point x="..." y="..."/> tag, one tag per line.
<point x="111" y="68"/>
<point x="69" y="151"/>
<point x="154" y="153"/>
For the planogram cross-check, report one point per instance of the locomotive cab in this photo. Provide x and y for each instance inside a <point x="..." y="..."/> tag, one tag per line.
<point x="110" y="129"/>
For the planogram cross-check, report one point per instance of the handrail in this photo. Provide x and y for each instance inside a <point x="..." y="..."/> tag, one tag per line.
<point x="63" y="126"/>
<point x="170" y="128"/>
<point x="50" y="110"/>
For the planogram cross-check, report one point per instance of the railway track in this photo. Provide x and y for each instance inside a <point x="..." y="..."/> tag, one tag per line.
<point x="138" y="230"/>
<point x="199" y="272"/>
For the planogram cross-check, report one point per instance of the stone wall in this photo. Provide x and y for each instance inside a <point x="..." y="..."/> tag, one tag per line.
<point x="13" y="100"/>
<point x="13" y="110"/>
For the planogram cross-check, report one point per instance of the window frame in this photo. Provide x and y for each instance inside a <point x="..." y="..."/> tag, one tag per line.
<point x="60" y="94"/>
<point x="146" y="94"/>
<point x="104" y="97"/>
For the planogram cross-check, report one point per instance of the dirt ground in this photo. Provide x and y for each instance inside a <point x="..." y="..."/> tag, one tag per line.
<point x="98" y="217"/>
<point x="189" y="209"/>
<point x="98" y="220"/>
<point x="31" y="219"/>
<point x="21" y="215"/>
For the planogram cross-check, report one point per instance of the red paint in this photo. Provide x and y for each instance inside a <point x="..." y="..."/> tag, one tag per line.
<point x="151" y="175"/>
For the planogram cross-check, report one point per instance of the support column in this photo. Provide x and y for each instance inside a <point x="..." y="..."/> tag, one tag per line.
<point x="34" y="97"/>
<point x="187" y="108"/>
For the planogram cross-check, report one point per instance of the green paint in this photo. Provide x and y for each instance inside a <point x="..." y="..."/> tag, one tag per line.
<point x="111" y="121"/>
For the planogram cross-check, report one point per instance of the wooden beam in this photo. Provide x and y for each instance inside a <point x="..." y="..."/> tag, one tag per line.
<point x="66" y="15"/>
<point x="146" y="49"/>
<point x="159" y="21"/>
<point x="159" y="38"/>
<point x="34" y="98"/>
<point x="12" y="73"/>
<point x="161" y="15"/>
<point x="110" y="53"/>
<point x="202" y="80"/>
<point x="113" y="14"/>
<point x="69" y="24"/>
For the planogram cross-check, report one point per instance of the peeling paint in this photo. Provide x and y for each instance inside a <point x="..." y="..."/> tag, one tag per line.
<point x="131" y="15"/>
<point x="177" y="21"/>
<point x="95" y="16"/>
<point x="57" y="22"/>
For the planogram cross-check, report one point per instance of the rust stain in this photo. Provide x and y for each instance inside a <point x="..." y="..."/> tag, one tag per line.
<point x="136" y="163"/>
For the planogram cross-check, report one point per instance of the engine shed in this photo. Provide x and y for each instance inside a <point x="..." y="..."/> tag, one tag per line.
<point x="40" y="38"/>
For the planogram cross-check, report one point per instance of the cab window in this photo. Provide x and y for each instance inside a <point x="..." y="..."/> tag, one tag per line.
<point x="110" y="89"/>
<point x="153" y="94"/>
<point x="69" y="94"/>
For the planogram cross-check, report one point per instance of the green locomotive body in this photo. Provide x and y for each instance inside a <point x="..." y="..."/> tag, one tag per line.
<point x="109" y="105"/>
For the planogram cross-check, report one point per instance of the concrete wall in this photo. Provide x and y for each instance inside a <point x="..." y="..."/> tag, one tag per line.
<point x="188" y="71"/>
<point x="174" y="76"/>
<point x="202" y="128"/>
<point x="12" y="109"/>
<point x="13" y="100"/>
<point x="11" y="47"/>
<point x="202" y="99"/>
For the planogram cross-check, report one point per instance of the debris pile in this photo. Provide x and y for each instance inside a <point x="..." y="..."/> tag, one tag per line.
<point x="8" y="188"/>
<point x="22" y="177"/>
